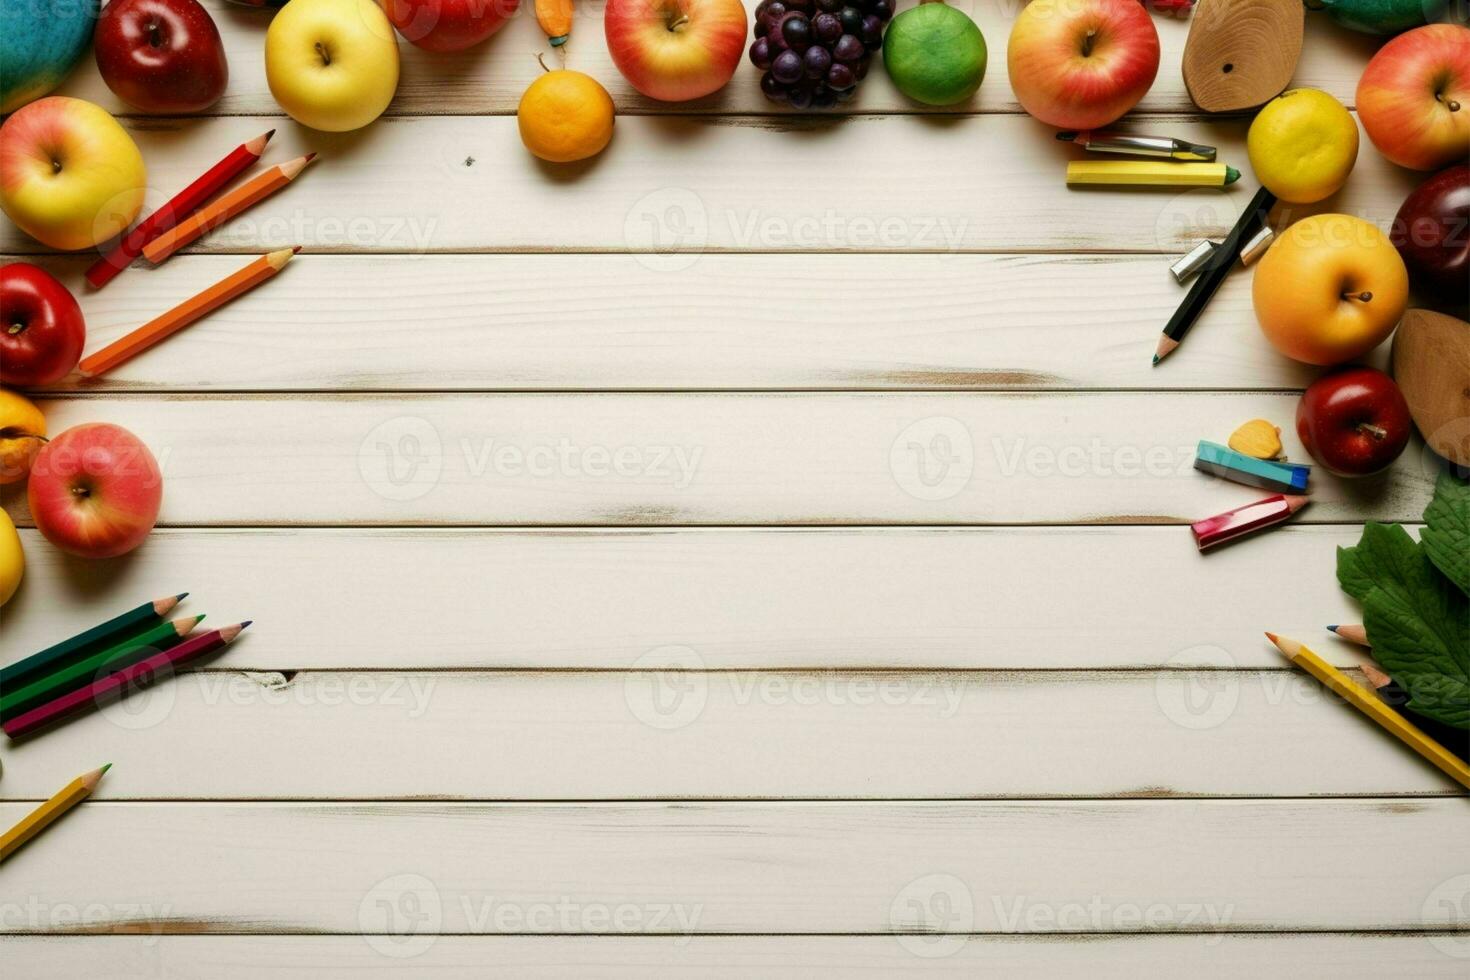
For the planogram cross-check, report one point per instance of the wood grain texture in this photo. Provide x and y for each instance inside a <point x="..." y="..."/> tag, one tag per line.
<point x="873" y="598"/>
<point x="674" y="734"/>
<point x="528" y="322"/>
<point x="1241" y="53"/>
<point x="745" y="867"/>
<point x="1212" y="957"/>
<point x="681" y="185"/>
<point x="700" y="459"/>
<point x="491" y="77"/>
<point x="1431" y="363"/>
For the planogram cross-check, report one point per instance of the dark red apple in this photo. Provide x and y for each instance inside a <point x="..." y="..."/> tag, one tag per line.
<point x="1354" y="421"/>
<point x="161" y="55"/>
<point x="1432" y="233"/>
<point x="448" y="25"/>
<point x="41" y="327"/>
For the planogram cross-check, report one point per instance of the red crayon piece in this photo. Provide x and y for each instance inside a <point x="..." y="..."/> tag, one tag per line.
<point x="143" y="672"/>
<point x="1245" y="520"/>
<point x="171" y="212"/>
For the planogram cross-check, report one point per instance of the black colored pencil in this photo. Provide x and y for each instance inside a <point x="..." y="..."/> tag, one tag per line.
<point x="94" y="640"/>
<point x="1216" y="268"/>
<point x="1457" y="740"/>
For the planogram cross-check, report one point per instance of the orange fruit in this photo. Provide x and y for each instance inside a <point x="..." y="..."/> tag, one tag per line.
<point x="565" y="116"/>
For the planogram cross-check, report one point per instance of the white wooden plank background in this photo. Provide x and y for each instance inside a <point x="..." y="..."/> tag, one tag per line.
<point x="1120" y="957"/>
<point x="508" y="322"/>
<point x="726" y="458"/>
<point x="471" y="705"/>
<point x="787" y="867"/>
<point x="457" y="184"/>
<point x="742" y="599"/>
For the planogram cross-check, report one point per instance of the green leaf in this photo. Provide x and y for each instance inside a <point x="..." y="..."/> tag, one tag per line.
<point x="1425" y="644"/>
<point x="1381" y="558"/>
<point x="1446" y="536"/>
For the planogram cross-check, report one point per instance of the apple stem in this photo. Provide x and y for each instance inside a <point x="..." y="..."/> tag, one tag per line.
<point x="679" y="22"/>
<point x="1364" y="296"/>
<point x="1450" y="104"/>
<point x="543" y="61"/>
<point x="1376" y="431"/>
<point x="1087" y="43"/>
<point x="15" y="328"/>
<point x="321" y="50"/>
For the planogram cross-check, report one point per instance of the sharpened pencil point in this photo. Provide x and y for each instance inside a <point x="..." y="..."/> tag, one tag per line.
<point x="311" y="156"/>
<point x="182" y="596"/>
<point x="1333" y="628"/>
<point x="246" y="623"/>
<point x="1271" y="637"/>
<point x="295" y="249"/>
<point x="105" y="766"/>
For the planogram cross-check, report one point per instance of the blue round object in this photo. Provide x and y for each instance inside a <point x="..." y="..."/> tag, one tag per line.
<point x="40" y="41"/>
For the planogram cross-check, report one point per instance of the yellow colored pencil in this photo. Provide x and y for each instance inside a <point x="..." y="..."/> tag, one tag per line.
<point x="42" y="816"/>
<point x="1150" y="173"/>
<point x="1370" y="705"/>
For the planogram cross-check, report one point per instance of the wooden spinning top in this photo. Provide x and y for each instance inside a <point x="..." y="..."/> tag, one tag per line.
<point x="1242" y="53"/>
<point x="1431" y="363"/>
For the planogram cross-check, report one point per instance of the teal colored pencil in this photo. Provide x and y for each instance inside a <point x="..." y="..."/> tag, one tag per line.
<point x="15" y="700"/>
<point x="98" y="638"/>
<point x="1268" y="474"/>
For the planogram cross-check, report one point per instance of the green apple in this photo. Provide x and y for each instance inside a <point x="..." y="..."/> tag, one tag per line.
<point x="332" y="64"/>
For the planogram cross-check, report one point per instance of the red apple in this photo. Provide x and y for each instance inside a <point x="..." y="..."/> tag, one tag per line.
<point x="1414" y="97"/>
<point x="676" y="50"/>
<point x="1432" y="233"/>
<point x="448" y="25"/>
<point x="161" y="55"/>
<point x="41" y="327"/>
<point x="1080" y="64"/>
<point x="1354" y="421"/>
<point x="94" y="491"/>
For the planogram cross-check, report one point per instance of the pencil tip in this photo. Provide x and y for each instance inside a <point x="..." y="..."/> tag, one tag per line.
<point x="270" y="133"/>
<point x="1271" y="636"/>
<point x="181" y="596"/>
<point x="1156" y="359"/>
<point x="311" y="156"/>
<point x="1332" y="628"/>
<point x="246" y="623"/>
<point x="105" y="766"/>
<point x="295" y="249"/>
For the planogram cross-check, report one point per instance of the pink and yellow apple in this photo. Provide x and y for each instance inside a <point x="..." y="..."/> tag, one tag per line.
<point x="70" y="176"/>
<point x="1414" y="97"/>
<point x="94" y="491"/>
<point x="1080" y="64"/>
<point x="676" y="50"/>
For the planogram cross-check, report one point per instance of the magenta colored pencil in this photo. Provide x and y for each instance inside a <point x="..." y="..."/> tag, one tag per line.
<point x="1245" y="520"/>
<point x="141" y="672"/>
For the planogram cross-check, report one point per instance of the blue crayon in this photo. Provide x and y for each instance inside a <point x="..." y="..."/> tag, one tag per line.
<point x="1211" y="457"/>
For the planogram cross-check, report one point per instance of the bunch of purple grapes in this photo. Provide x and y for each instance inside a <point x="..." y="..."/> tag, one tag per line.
<point x="814" y="52"/>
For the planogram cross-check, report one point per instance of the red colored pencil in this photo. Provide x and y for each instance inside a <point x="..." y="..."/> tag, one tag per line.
<point x="171" y="212"/>
<point x="1246" y="520"/>
<point x="141" y="672"/>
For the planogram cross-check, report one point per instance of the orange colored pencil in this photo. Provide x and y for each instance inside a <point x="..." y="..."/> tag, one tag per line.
<point x="185" y="313"/>
<point x="216" y="213"/>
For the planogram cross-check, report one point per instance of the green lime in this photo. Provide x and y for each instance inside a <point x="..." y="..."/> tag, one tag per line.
<point x="935" y="54"/>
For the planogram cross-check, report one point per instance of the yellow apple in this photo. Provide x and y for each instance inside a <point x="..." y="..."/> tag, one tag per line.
<point x="22" y="434"/>
<point x="70" y="176"/>
<point x="1330" y="289"/>
<point x="12" y="559"/>
<point x="332" y="64"/>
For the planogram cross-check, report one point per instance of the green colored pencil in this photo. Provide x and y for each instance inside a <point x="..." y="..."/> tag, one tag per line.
<point x="101" y="637"/>
<point x="21" y="699"/>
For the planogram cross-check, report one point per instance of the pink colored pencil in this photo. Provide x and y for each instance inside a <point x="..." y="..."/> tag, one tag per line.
<point x="141" y="672"/>
<point x="1246" y="520"/>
